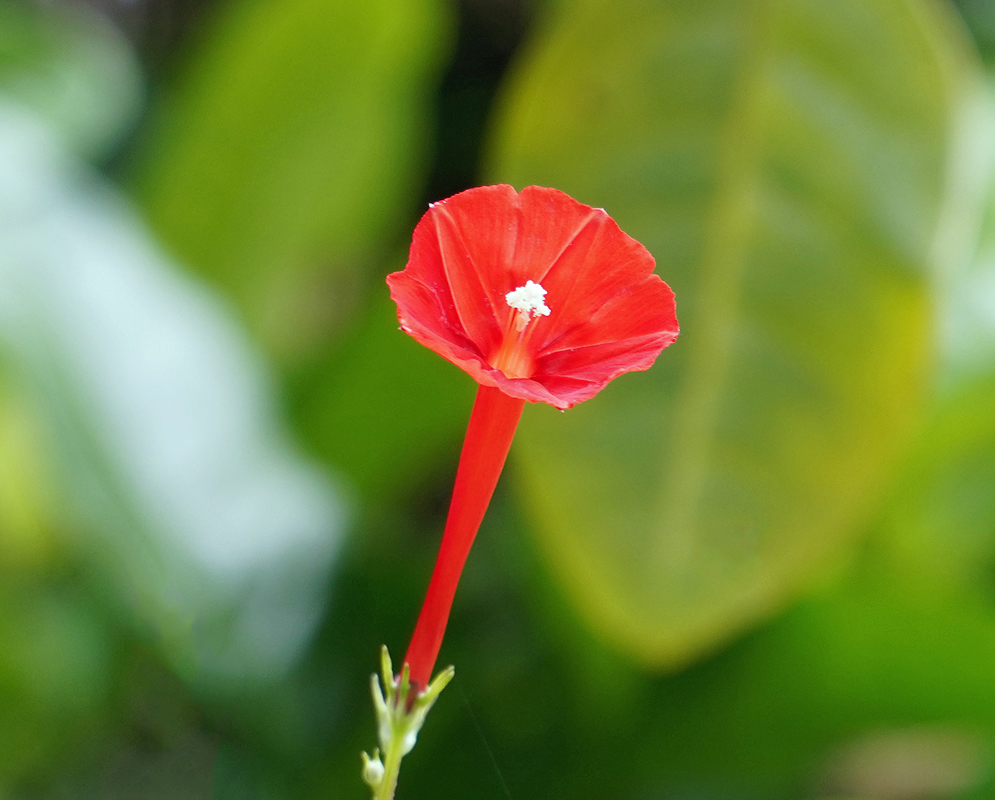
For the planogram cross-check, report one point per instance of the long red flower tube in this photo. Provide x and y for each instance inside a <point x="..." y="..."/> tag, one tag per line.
<point x="539" y="298"/>
<point x="488" y="438"/>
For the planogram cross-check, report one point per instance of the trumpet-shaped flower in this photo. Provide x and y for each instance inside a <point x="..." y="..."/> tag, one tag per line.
<point x="534" y="293"/>
<point x="539" y="298"/>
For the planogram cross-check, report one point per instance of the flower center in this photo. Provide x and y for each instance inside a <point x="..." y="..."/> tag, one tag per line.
<point x="511" y="357"/>
<point x="527" y="299"/>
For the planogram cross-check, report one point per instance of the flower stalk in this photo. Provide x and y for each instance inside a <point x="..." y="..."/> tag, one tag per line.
<point x="481" y="267"/>
<point x="492" y="426"/>
<point x="404" y="700"/>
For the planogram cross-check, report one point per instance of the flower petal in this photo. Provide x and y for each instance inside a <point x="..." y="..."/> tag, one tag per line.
<point x="601" y="280"/>
<point x="552" y="226"/>
<point x="634" y="310"/>
<point x="609" y="312"/>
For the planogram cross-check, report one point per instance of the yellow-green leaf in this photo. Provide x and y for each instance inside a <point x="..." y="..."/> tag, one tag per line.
<point x="785" y="163"/>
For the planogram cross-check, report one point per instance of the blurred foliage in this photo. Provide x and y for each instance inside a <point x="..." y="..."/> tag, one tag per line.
<point x="258" y="165"/>
<point x="789" y="179"/>
<point x="72" y="68"/>
<point x="980" y="18"/>
<point x="763" y="569"/>
<point x="350" y="395"/>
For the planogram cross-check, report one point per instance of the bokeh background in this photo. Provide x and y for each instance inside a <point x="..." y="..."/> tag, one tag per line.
<point x="763" y="569"/>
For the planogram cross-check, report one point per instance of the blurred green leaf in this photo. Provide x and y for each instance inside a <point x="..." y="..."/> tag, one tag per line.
<point x="56" y="675"/>
<point x="291" y="147"/>
<point x="27" y="505"/>
<point x="785" y="162"/>
<point x="869" y="657"/>
<point x="189" y="501"/>
<point x="387" y="410"/>
<point x="980" y="18"/>
<point x="940" y="516"/>
<point x="967" y="288"/>
<point x="73" y="68"/>
<point x="242" y="776"/>
<point x="877" y="653"/>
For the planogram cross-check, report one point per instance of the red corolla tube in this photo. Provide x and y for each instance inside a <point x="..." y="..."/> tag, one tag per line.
<point x="539" y="298"/>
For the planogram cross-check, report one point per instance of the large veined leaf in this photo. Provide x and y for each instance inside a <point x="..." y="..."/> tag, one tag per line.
<point x="205" y="526"/>
<point x="785" y="163"/>
<point x="288" y="149"/>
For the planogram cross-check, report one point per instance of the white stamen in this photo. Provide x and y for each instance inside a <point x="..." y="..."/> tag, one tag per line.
<point x="528" y="299"/>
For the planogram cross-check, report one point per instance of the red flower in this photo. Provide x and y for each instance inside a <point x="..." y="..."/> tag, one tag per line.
<point x="539" y="298"/>
<point x="607" y="313"/>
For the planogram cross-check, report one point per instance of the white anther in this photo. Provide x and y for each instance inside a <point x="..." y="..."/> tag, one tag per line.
<point x="528" y="299"/>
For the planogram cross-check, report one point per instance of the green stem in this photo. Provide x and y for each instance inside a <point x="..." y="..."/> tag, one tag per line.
<point x="391" y="769"/>
<point x="401" y="708"/>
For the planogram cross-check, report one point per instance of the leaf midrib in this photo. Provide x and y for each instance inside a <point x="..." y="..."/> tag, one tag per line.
<point x="728" y="227"/>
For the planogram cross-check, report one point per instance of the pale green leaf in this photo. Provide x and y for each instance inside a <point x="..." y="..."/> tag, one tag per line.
<point x="205" y="526"/>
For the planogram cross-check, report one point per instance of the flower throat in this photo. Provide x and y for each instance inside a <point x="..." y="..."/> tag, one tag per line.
<point x="512" y="357"/>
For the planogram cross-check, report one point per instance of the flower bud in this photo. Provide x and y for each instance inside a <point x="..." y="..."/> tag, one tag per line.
<point x="373" y="770"/>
